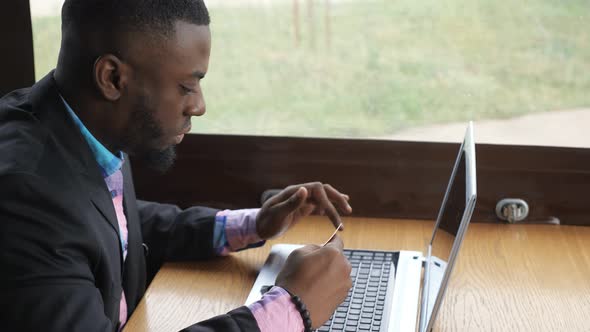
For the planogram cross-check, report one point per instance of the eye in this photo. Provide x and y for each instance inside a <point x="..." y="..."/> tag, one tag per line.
<point x="186" y="90"/>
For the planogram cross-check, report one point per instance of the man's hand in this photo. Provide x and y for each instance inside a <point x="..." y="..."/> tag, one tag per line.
<point x="320" y="276"/>
<point x="285" y="209"/>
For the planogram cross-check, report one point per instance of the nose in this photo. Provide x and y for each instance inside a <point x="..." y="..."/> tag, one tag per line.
<point x="201" y="108"/>
<point x="198" y="108"/>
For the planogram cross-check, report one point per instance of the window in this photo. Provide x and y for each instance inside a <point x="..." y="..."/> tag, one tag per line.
<point x="46" y="22"/>
<point x="414" y="70"/>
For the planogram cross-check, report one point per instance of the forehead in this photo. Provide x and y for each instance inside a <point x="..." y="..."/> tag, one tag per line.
<point x="185" y="51"/>
<point x="190" y="40"/>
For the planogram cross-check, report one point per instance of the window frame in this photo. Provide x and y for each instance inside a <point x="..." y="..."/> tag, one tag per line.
<point x="18" y="66"/>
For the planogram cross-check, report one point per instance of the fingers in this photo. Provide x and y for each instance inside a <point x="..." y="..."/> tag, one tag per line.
<point x="308" y="248"/>
<point x="297" y="199"/>
<point x="340" y="200"/>
<point x="320" y="276"/>
<point x="290" y="204"/>
<point x="324" y="203"/>
<point x="336" y="242"/>
<point x="321" y="199"/>
<point x="307" y="209"/>
<point x="334" y="234"/>
<point x="283" y="195"/>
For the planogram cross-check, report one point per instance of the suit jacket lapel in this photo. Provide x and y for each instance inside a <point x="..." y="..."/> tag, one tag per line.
<point x="101" y="198"/>
<point x="134" y="276"/>
<point x="49" y="109"/>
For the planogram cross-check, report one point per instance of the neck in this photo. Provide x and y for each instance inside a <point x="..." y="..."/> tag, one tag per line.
<point x="93" y="113"/>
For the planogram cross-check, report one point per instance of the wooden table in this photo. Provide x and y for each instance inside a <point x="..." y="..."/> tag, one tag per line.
<point x="507" y="277"/>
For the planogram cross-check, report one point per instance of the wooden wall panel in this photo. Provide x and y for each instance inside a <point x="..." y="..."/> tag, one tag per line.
<point x="16" y="50"/>
<point x="384" y="178"/>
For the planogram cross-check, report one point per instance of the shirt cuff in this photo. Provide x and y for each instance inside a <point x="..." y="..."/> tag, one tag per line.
<point x="276" y="312"/>
<point x="235" y="230"/>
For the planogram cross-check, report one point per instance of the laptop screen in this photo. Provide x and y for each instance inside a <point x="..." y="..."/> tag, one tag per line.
<point x="452" y="213"/>
<point x="452" y="221"/>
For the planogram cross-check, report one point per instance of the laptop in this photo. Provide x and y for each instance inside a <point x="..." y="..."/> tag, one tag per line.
<point x="399" y="290"/>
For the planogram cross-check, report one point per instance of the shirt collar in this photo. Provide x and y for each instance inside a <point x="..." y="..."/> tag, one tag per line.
<point x="109" y="163"/>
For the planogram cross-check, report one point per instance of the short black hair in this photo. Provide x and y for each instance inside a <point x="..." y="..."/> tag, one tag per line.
<point x="158" y="16"/>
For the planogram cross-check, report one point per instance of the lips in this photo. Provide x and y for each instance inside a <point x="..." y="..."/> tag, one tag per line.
<point x="178" y="138"/>
<point x="187" y="130"/>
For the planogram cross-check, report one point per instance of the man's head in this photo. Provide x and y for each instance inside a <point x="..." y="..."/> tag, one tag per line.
<point x="133" y="69"/>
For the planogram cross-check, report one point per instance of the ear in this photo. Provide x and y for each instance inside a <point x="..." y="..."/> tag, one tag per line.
<point x="110" y="76"/>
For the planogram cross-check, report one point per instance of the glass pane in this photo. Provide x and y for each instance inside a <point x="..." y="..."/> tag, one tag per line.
<point x="46" y="24"/>
<point x="415" y="70"/>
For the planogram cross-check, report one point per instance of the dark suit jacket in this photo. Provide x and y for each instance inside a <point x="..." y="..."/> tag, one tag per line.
<point x="61" y="267"/>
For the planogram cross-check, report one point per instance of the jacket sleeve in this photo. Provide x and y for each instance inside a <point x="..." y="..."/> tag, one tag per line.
<point x="238" y="320"/>
<point x="173" y="234"/>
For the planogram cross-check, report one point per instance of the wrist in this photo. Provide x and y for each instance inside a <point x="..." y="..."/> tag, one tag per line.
<point x="302" y="309"/>
<point x="263" y="231"/>
<point x="276" y="312"/>
<point x="258" y="230"/>
<point x="240" y="228"/>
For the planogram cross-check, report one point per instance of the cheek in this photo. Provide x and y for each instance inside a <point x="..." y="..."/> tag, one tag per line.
<point x="173" y="114"/>
<point x="167" y="111"/>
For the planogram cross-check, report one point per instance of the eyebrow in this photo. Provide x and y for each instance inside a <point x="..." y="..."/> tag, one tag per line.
<point x="198" y="75"/>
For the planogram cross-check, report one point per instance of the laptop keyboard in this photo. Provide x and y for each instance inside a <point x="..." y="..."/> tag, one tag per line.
<point x="363" y="308"/>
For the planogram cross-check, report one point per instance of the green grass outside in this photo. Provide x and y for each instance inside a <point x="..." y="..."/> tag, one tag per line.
<point x="391" y="65"/>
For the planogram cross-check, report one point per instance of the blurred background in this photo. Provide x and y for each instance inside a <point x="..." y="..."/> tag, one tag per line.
<point x="389" y="69"/>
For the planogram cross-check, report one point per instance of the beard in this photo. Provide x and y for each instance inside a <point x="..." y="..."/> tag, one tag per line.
<point x="144" y="136"/>
<point x="159" y="160"/>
